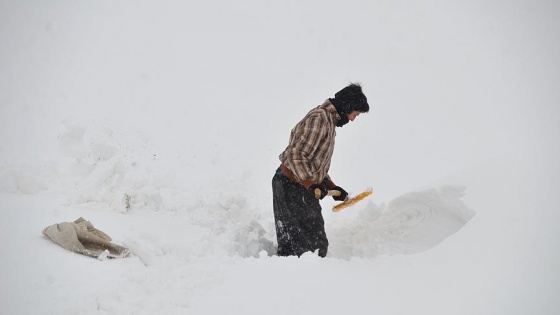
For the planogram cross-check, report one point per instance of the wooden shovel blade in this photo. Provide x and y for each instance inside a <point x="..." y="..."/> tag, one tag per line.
<point x="352" y="200"/>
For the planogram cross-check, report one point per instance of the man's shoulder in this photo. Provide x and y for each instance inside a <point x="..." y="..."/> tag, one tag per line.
<point x="316" y="116"/>
<point x="325" y="111"/>
<point x="322" y="110"/>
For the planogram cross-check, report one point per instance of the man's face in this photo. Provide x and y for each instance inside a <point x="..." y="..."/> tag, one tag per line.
<point x="353" y="115"/>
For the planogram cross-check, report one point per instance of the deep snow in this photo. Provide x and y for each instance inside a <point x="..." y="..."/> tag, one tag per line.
<point x="162" y="124"/>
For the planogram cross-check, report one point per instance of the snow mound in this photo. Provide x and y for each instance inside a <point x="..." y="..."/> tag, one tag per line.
<point x="411" y="223"/>
<point x="108" y="166"/>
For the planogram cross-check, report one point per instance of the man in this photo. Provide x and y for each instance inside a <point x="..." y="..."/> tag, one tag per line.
<point x="302" y="178"/>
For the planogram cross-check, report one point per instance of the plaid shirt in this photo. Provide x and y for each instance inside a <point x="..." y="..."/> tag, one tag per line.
<point x="311" y="145"/>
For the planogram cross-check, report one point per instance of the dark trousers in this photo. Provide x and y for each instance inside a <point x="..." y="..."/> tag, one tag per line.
<point x="299" y="222"/>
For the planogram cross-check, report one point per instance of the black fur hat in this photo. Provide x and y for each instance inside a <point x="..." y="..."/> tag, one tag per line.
<point x="349" y="99"/>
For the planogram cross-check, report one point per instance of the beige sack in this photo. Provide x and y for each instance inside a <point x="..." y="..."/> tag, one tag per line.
<point x="81" y="237"/>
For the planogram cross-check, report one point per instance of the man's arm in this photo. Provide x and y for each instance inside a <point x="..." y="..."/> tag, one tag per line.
<point x="305" y="142"/>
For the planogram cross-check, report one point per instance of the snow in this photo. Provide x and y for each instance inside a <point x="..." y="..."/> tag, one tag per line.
<point x="162" y="123"/>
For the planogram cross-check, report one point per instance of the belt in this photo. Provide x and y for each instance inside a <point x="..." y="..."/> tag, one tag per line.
<point x="286" y="171"/>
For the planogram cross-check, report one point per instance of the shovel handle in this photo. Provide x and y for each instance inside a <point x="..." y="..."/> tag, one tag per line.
<point x="329" y="193"/>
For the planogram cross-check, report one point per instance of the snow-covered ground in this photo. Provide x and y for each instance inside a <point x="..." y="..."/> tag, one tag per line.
<point x="161" y="123"/>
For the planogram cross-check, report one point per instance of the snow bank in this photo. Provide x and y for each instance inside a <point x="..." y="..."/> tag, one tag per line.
<point x="110" y="168"/>
<point x="409" y="224"/>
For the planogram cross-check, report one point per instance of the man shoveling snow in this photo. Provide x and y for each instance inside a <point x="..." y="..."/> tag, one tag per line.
<point x="302" y="178"/>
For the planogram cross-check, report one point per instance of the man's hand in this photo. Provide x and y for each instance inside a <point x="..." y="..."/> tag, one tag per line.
<point x="343" y="194"/>
<point x="319" y="191"/>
